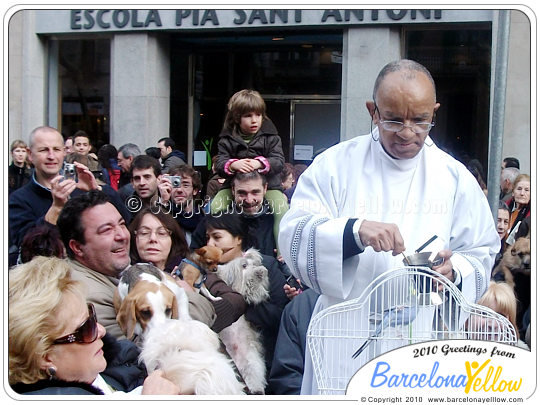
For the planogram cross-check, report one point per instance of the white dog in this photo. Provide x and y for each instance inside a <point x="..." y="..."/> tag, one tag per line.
<point x="249" y="277"/>
<point x="186" y="350"/>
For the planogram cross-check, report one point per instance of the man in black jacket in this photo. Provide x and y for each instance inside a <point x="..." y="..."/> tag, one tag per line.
<point x="170" y="157"/>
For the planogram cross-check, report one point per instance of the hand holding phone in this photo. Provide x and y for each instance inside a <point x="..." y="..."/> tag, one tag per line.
<point x="293" y="282"/>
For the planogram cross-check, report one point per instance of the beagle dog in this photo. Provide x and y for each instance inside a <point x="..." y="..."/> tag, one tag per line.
<point x="193" y="270"/>
<point x="186" y="350"/>
<point x="146" y="295"/>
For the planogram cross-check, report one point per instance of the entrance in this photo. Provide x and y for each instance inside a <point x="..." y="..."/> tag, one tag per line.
<point x="299" y="76"/>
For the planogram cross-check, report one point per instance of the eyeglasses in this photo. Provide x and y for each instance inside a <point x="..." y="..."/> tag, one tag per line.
<point x="86" y="333"/>
<point x="146" y="233"/>
<point x="397" y="126"/>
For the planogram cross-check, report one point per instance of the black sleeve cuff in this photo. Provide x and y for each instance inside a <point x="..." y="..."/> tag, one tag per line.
<point x="350" y="248"/>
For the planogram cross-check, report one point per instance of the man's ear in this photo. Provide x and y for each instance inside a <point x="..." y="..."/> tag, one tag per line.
<point x="370" y="105"/>
<point x="75" y="247"/>
<point x="437" y="105"/>
<point x="29" y="154"/>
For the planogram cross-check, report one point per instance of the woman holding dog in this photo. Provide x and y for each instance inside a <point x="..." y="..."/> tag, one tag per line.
<point x="158" y="239"/>
<point x="56" y="345"/>
<point x="229" y="232"/>
<point x="519" y="204"/>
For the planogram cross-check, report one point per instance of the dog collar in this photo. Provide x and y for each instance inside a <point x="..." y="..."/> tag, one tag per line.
<point x="203" y="271"/>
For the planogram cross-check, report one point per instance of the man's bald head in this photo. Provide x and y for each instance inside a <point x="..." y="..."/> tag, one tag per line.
<point x="409" y="68"/>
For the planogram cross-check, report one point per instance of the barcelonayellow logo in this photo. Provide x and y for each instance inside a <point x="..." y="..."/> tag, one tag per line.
<point x="449" y="367"/>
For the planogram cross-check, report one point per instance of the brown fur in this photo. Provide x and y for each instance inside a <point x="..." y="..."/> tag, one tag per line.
<point x="516" y="259"/>
<point x="207" y="257"/>
<point x="136" y="307"/>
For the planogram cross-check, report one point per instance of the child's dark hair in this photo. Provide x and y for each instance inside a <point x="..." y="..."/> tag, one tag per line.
<point x="242" y="102"/>
<point x="235" y="224"/>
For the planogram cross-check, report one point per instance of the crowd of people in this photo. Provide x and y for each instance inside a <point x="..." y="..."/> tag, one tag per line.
<point x="78" y="217"/>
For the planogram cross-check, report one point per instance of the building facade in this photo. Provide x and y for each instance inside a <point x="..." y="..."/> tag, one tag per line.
<point x="139" y="75"/>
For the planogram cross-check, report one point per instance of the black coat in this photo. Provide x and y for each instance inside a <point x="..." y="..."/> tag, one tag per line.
<point x="265" y="143"/>
<point x="288" y="363"/>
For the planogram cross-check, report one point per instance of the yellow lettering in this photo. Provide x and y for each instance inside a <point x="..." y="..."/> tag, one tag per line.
<point x="487" y="384"/>
<point x="515" y="387"/>
<point x="473" y="376"/>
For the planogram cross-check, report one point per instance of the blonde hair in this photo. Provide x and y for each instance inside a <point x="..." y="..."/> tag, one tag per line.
<point x="502" y="297"/>
<point x="37" y="292"/>
<point x="242" y="102"/>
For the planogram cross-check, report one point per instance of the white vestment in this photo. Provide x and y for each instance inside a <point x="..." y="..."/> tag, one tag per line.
<point x="430" y="194"/>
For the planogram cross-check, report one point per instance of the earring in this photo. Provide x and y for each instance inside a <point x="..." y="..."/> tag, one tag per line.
<point x="371" y="131"/>
<point x="51" y="372"/>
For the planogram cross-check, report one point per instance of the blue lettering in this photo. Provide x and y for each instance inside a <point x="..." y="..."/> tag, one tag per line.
<point x="376" y="374"/>
<point x="433" y="372"/>
<point x="421" y="380"/>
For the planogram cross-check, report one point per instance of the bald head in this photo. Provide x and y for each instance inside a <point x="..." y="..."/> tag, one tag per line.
<point x="46" y="131"/>
<point x="409" y="70"/>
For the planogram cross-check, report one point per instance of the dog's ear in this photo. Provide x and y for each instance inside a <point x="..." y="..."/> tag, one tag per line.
<point x="201" y="251"/>
<point x="174" y="314"/>
<point x="117" y="301"/>
<point x="126" y="316"/>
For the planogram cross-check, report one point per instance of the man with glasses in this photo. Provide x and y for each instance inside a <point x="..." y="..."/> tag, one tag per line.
<point x="365" y="201"/>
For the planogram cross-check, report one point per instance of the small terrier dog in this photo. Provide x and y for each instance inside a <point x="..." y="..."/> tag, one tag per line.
<point x="193" y="270"/>
<point x="249" y="277"/>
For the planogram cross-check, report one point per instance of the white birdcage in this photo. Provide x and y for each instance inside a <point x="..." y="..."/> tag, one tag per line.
<point x="400" y="307"/>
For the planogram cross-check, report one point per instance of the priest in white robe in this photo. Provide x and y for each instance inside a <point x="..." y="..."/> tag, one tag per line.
<point x="363" y="202"/>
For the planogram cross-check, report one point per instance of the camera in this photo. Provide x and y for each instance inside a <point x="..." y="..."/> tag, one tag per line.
<point x="69" y="171"/>
<point x="176" y="181"/>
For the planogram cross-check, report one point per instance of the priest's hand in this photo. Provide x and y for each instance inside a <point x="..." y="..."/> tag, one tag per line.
<point x="382" y="237"/>
<point x="445" y="268"/>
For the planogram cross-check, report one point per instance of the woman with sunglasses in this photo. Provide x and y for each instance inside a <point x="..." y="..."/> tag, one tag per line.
<point x="158" y="239"/>
<point x="56" y="345"/>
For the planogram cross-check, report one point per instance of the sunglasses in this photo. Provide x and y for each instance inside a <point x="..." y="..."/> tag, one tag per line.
<point x="86" y="333"/>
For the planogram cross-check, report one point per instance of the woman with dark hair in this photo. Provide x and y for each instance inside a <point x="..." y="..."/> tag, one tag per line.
<point x="158" y="239"/>
<point x="229" y="232"/>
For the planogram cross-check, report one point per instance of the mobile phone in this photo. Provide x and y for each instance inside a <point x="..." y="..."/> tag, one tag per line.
<point x="292" y="282"/>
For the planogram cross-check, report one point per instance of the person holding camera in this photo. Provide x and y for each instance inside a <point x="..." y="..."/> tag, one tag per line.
<point x="178" y="192"/>
<point x="50" y="187"/>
